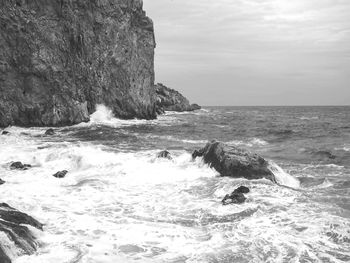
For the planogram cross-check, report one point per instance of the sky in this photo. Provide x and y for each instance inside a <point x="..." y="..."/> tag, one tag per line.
<point x="254" y="52"/>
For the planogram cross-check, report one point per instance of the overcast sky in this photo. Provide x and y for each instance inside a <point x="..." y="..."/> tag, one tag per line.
<point x="254" y="52"/>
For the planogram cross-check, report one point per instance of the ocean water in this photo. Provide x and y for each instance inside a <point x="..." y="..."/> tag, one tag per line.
<point x="118" y="203"/>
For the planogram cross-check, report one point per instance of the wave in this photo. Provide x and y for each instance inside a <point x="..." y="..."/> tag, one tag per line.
<point x="282" y="177"/>
<point x="308" y="118"/>
<point x="250" y="143"/>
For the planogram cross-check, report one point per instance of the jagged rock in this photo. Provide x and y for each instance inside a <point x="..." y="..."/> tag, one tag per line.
<point x="164" y="154"/>
<point x="60" y="174"/>
<point x="236" y="197"/>
<point x="172" y="100"/>
<point x="5" y="133"/>
<point x="234" y="162"/>
<point x="59" y="59"/>
<point x="233" y="198"/>
<point x="2" y="182"/>
<point x="49" y="132"/>
<point x="16" y="236"/>
<point x="19" y="166"/>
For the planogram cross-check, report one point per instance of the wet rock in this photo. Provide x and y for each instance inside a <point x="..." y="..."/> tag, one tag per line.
<point x="2" y="182"/>
<point x="234" y="162"/>
<point x="49" y="132"/>
<point x="242" y="189"/>
<point x="60" y="174"/>
<point x="234" y="198"/>
<point x="92" y="52"/>
<point x="16" y="237"/>
<point x="19" y="166"/>
<point x="5" y="132"/>
<point x="164" y="154"/>
<point x="172" y="100"/>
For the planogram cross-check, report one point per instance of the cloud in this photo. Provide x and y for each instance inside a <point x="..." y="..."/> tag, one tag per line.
<point x="267" y="41"/>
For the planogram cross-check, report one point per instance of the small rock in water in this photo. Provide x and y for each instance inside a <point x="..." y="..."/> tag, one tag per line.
<point x="5" y="132"/>
<point x="236" y="197"/>
<point x="60" y="174"/>
<point x="242" y="189"/>
<point x="1" y="181"/>
<point x="50" y="132"/>
<point x="19" y="166"/>
<point x="164" y="154"/>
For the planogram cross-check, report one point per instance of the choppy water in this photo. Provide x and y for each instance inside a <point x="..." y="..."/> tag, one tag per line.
<point x="120" y="204"/>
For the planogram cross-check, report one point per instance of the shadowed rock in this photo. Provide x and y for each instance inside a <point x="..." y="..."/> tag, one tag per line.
<point x="172" y="100"/>
<point x="5" y="133"/>
<point x="49" y="132"/>
<point x="19" y="166"/>
<point x="60" y="174"/>
<point x="164" y="154"/>
<point x="17" y="237"/>
<point x="2" y="182"/>
<point x="236" y="197"/>
<point x="234" y="162"/>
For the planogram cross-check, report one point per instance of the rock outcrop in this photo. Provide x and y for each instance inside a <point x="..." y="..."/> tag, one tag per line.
<point x="234" y="162"/>
<point x="60" y="58"/>
<point x="172" y="100"/>
<point x="19" y="166"/>
<point x="60" y="174"/>
<point x="16" y="238"/>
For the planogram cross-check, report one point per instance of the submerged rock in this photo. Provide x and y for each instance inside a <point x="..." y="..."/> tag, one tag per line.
<point x="236" y="197"/>
<point x="2" y="182"/>
<point x="60" y="174"/>
<point x="59" y="59"/>
<point x="19" y="166"/>
<point x="16" y="237"/>
<point x="49" y="132"/>
<point x="164" y="154"/>
<point x="172" y="100"/>
<point x="234" y="162"/>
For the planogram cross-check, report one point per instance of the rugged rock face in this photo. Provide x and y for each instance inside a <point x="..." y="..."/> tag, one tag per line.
<point x="172" y="100"/>
<point x="60" y="58"/>
<point x="16" y="239"/>
<point x="234" y="162"/>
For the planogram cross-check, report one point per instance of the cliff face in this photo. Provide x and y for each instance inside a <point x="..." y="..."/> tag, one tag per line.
<point x="172" y="100"/>
<point x="60" y="58"/>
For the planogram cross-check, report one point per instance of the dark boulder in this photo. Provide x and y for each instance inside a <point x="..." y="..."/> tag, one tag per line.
<point x="242" y="189"/>
<point x="17" y="237"/>
<point x="234" y="162"/>
<point x="5" y="132"/>
<point x="19" y="166"/>
<point x="236" y="197"/>
<point x="60" y="174"/>
<point x="50" y="132"/>
<point x="171" y="100"/>
<point x="164" y="154"/>
<point x="233" y="198"/>
<point x="2" y="182"/>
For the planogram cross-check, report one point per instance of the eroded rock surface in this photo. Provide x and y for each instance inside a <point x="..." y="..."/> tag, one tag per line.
<point x="60" y="58"/>
<point x="16" y="238"/>
<point x="234" y="162"/>
<point x="172" y="100"/>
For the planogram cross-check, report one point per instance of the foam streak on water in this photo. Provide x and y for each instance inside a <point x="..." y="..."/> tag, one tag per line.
<point x="118" y="203"/>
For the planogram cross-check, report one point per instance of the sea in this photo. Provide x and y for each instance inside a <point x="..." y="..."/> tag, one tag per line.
<point x="119" y="203"/>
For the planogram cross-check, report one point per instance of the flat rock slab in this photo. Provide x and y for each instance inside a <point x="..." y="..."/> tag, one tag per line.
<point x="234" y="162"/>
<point x="19" y="239"/>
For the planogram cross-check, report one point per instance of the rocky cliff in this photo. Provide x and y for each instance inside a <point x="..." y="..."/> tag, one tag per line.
<point x="172" y="100"/>
<point x="60" y="58"/>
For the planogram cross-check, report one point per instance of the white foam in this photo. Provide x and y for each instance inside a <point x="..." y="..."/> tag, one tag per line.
<point x="249" y="143"/>
<point x="282" y="177"/>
